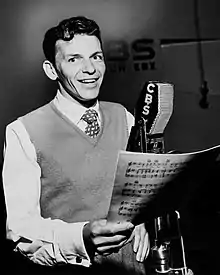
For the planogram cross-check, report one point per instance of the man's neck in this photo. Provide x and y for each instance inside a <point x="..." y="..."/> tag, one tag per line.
<point x="88" y="103"/>
<point x="84" y="103"/>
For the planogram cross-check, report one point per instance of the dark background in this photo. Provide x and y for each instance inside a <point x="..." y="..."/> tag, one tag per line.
<point x="168" y="27"/>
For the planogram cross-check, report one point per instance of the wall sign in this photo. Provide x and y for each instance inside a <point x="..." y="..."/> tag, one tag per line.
<point x="139" y="55"/>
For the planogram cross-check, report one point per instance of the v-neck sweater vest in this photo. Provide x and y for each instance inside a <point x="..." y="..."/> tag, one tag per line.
<point x="77" y="172"/>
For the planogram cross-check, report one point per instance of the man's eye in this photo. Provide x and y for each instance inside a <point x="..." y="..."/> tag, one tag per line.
<point x="72" y="59"/>
<point x="98" y="57"/>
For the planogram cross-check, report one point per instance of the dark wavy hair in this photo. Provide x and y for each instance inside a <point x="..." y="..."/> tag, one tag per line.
<point x="66" y="30"/>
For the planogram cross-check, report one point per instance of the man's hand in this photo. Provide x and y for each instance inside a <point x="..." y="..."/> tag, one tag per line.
<point x="105" y="237"/>
<point x="141" y="242"/>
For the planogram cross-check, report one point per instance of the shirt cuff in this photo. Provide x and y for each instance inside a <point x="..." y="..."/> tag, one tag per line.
<point x="70" y="244"/>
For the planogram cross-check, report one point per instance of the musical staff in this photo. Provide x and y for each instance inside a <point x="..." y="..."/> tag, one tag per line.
<point x="154" y="169"/>
<point x="139" y="178"/>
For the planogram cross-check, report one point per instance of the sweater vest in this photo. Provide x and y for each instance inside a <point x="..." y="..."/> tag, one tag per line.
<point x="77" y="171"/>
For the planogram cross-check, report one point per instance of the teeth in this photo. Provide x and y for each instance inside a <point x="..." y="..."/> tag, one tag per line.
<point x="88" y="81"/>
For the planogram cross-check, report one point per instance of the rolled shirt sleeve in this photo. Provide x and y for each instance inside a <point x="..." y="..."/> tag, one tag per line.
<point x="130" y="120"/>
<point x="44" y="241"/>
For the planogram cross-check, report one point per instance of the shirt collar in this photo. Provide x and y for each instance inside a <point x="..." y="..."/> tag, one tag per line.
<point x="71" y="109"/>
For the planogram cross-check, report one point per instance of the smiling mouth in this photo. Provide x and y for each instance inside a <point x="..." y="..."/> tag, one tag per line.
<point x="88" y="80"/>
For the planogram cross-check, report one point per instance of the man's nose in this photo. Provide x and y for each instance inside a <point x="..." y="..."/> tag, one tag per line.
<point x="88" y="67"/>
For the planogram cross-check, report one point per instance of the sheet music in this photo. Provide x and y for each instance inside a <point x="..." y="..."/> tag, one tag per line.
<point x="140" y="177"/>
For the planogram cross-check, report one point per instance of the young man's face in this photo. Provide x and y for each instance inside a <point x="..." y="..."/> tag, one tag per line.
<point x="80" y="67"/>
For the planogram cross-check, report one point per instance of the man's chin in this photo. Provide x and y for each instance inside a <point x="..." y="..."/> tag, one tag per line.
<point x="89" y="95"/>
<point x="87" y="101"/>
<point x="85" y="98"/>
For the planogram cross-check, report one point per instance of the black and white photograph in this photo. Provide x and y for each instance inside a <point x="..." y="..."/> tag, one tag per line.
<point x="110" y="137"/>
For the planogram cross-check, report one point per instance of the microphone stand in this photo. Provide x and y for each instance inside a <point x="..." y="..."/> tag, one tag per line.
<point x="167" y="253"/>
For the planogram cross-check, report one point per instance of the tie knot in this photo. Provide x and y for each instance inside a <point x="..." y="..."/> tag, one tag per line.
<point x="90" y="116"/>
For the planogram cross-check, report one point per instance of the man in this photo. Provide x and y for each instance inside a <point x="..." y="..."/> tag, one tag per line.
<point x="59" y="164"/>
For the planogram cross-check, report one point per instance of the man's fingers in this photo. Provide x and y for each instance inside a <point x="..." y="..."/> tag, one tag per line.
<point x="108" y="249"/>
<point x="137" y="239"/>
<point x="110" y="228"/>
<point x="117" y="228"/>
<point x="141" y="243"/>
<point x="140" y="250"/>
<point x="146" y="248"/>
<point x="105" y="241"/>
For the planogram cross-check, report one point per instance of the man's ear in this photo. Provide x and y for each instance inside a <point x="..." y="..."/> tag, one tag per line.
<point x="49" y="70"/>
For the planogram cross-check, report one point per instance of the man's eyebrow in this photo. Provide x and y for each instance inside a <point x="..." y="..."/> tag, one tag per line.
<point x="79" y="55"/>
<point x="73" y="55"/>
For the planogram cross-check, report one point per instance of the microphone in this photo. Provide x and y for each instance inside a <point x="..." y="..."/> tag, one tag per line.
<point x="152" y="113"/>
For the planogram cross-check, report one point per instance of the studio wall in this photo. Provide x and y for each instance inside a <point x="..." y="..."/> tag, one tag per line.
<point x="143" y="40"/>
<point x="126" y="27"/>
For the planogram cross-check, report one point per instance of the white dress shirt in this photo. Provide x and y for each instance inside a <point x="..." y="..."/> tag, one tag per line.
<point x="44" y="241"/>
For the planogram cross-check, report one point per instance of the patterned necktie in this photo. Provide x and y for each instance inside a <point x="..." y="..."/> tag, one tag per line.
<point x="92" y="129"/>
